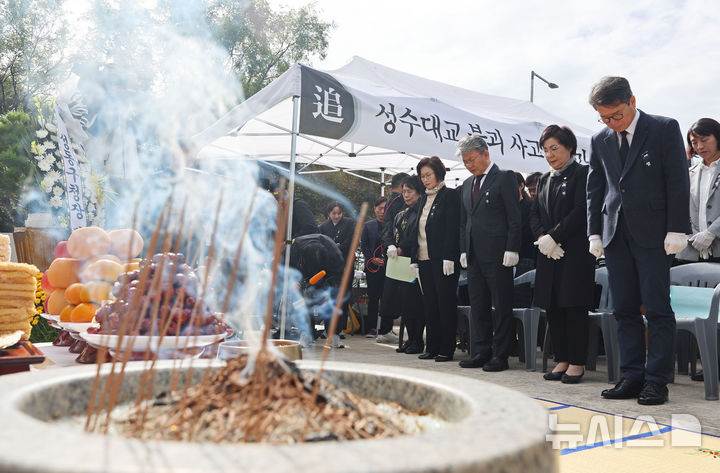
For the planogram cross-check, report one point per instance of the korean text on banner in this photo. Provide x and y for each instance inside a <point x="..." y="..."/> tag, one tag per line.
<point x="73" y="181"/>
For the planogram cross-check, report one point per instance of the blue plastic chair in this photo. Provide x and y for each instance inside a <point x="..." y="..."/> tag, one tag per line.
<point x="605" y="319"/>
<point x="530" y="319"/>
<point x="696" y="310"/>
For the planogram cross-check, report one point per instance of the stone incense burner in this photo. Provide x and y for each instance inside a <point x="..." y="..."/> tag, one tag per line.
<point x="490" y="429"/>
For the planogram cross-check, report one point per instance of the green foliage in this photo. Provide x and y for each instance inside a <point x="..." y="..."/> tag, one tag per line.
<point x="32" y="36"/>
<point x="42" y="332"/>
<point x="264" y="43"/>
<point x="14" y="164"/>
<point x="319" y="189"/>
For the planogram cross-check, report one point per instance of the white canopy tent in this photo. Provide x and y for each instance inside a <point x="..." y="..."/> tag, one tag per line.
<point x="369" y="117"/>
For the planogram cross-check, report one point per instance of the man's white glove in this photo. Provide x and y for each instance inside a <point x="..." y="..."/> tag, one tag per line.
<point x="463" y="260"/>
<point x="675" y="243"/>
<point x="556" y="253"/>
<point x="596" y="248"/>
<point x="545" y="244"/>
<point x="702" y="241"/>
<point x="448" y="267"/>
<point x="416" y="270"/>
<point x="392" y="251"/>
<point x="511" y="258"/>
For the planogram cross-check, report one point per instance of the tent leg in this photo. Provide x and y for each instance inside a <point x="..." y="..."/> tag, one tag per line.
<point x="288" y="234"/>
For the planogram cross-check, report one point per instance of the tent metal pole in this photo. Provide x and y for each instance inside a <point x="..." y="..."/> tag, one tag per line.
<point x="382" y="182"/>
<point x="288" y="234"/>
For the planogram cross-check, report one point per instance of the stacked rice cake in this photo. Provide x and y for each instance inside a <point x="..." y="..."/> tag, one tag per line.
<point x="17" y="297"/>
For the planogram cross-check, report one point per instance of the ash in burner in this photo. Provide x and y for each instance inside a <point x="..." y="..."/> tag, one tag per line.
<point x="272" y="403"/>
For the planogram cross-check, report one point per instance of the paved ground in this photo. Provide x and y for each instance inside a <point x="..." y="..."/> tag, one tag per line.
<point x="686" y="396"/>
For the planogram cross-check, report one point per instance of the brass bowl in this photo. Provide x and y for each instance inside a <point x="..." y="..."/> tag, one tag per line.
<point x="291" y="349"/>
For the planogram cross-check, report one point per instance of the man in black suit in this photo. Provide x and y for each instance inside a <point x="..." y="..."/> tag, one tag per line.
<point x="490" y="237"/>
<point x="638" y="214"/>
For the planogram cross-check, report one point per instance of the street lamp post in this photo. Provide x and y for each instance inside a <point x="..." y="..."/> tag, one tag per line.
<point x="533" y="75"/>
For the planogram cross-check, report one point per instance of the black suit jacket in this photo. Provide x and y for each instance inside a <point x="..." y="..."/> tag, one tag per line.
<point x="341" y="234"/>
<point x="442" y="228"/>
<point x="493" y="225"/>
<point x="652" y="189"/>
<point x="559" y="210"/>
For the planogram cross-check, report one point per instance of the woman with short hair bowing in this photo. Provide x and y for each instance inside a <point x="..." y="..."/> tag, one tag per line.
<point x="703" y="139"/>
<point x="565" y="270"/>
<point x="438" y="259"/>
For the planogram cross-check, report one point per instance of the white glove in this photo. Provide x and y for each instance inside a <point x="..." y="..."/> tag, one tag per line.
<point x="416" y="270"/>
<point x="463" y="260"/>
<point x="556" y="253"/>
<point x="675" y="243"/>
<point x="705" y="254"/>
<point x="545" y="244"/>
<point x="596" y="248"/>
<point x="510" y="258"/>
<point x="392" y="251"/>
<point x="702" y="241"/>
<point x="448" y="267"/>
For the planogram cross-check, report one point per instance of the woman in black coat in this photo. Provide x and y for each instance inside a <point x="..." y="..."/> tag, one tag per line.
<point x="438" y="257"/>
<point x="565" y="271"/>
<point x="340" y="229"/>
<point x="399" y="297"/>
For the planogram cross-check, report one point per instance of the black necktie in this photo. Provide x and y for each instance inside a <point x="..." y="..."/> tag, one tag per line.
<point x="476" y="188"/>
<point x="624" y="148"/>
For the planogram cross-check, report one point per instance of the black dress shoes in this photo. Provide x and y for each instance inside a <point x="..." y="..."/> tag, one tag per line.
<point x="403" y="348"/>
<point x="699" y="376"/>
<point x="496" y="364"/>
<point x="572" y="379"/>
<point x="427" y="356"/>
<point x="473" y="363"/>
<point x="554" y="375"/>
<point x="413" y="350"/>
<point x="442" y="358"/>
<point x="653" y="394"/>
<point x="625" y="389"/>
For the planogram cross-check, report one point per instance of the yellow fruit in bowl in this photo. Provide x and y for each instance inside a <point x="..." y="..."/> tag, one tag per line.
<point x="65" y="314"/>
<point x="83" y="313"/>
<point x="63" y="272"/>
<point x="109" y="256"/>
<point x="86" y="242"/>
<point x="56" y="302"/>
<point x="73" y="291"/>
<point x="125" y="243"/>
<point x="95" y="291"/>
<point x="102" y="270"/>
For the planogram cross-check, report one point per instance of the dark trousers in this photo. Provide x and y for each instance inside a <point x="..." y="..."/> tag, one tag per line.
<point x="490" y="284"/>
<point x="569" y="334"/>
<point x="375" y="291"/>
<point x="641" y="276"/>
<point x="391" y="304"/>
<point x="413" y="313"/>
<point x="440" y="301"/>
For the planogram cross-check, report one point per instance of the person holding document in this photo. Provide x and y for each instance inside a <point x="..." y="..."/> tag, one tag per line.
<point x="438" y="256"/>
<point x="403" y="241"/>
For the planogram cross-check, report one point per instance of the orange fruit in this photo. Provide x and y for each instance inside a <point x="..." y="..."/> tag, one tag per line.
<point x="65" y="314"/>
<point x="86" y="242"/>
<point x="101" y="270"/>
<point x="63" y="272"/>
<point x="126" y="243"/>
<point x="83" y="313"/>
<point x="95" y="291"/>
<point x="109" y="256"/>
<point x="72" y="293"/>
<point x="56" y="302"/>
